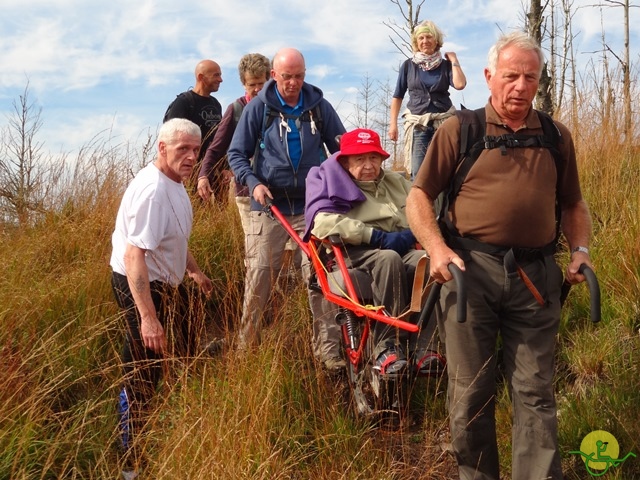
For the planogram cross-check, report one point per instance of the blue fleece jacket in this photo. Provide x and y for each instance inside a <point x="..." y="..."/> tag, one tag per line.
<point x="272" y="165"/>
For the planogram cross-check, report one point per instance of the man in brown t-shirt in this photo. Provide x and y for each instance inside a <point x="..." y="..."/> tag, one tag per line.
<point x="507" y="201"/>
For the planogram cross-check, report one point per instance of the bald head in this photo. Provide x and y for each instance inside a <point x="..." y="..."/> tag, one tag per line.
<point x="288" y="72"/>
<point x="287" y="57"/>
<point x="208" y="77"/>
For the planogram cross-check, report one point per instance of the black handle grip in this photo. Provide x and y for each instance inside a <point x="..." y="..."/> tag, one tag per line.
<point x="434" y="294"/>
<point x="429" y="305"/>
<point x="594" y="291"/>
<point x="461" y="301"/>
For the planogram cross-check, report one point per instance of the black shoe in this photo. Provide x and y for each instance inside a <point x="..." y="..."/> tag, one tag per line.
<point x="390" y="363"/>
<point x="215" y="347"/>
<point x="432" y="364"/>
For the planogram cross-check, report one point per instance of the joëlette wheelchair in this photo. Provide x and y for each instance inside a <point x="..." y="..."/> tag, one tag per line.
<point x="350" y="290"/>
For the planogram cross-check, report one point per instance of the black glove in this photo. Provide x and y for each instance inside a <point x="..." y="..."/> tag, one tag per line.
<point x="400" y="242"/>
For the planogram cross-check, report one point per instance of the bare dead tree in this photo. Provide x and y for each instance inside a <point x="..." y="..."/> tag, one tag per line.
<point x="626" y="67"/>
<point x="626" y="82"/>
<point x="607" y="93"/>
<point x="401" y="34"/>
<point x="23" y="186"/>
<point x="382" y="120"/>
<point x="552" y="55"/>
<point x="536" y="28"/>
<point x="367" y="99"/>
<point x="566" y="56"/>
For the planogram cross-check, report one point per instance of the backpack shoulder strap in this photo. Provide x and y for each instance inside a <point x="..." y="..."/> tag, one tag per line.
<point x="473" y="124"/>
<point x="316" y="113"/>
<point x="472" y="129"/>
<point x="185" y="95"/>
<point x="552" y="138"/>
<point x="237" y="111"/>
<point x="266" y="115"/>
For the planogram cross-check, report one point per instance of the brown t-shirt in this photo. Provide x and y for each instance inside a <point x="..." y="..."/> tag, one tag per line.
<point x="506" y="200"/>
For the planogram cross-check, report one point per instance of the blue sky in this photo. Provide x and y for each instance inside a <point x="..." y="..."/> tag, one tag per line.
<point x="111" y="68"/>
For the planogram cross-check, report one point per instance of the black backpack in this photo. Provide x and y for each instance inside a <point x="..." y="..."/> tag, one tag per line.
<point x="190" y="102"/>
<point x="188" y="95"/>
<point x="473" y="140"/>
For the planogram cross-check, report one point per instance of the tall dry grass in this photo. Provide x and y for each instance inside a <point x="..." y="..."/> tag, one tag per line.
<point x="273" y="413"/>
<point x="266" y="415"/>
<point x="598" y="364"/>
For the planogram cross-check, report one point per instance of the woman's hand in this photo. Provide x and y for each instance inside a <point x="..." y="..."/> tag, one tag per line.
<point x="451" y="56"/>
<point x="393" y="132"/>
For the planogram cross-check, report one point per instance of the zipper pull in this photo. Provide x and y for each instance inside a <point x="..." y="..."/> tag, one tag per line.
<point x="312" y="123"/>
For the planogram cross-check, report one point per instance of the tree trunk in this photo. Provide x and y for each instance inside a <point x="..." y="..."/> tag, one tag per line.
<point x="535" y="19"/>
<point x="626" y="80"/>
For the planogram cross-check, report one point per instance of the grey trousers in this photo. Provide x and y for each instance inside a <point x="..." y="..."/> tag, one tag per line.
<point x="265" y="243"/>
<point x="391" y="280"/>
<point x="499" y="303"/>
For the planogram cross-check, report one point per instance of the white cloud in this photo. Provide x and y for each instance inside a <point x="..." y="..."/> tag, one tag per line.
<point x="116" y="65"/>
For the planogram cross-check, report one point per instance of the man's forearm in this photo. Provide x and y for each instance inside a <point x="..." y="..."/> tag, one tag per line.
<point x="422" y="220"/>
<point x="576" y="224"/>
<point x="192" y="265"/>
<point x="138" y="279"/>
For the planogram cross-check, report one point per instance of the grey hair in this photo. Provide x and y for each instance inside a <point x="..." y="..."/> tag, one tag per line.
<point x="254" y="64"/>
<point x="515" y="39"/>
<point x="170" y="130"/>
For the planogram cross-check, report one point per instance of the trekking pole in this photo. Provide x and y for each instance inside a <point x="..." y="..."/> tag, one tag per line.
<point x="594" y="291"/>
<point x="434" y="294"/>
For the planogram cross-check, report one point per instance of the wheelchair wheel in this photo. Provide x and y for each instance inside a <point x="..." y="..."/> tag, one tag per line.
<point x="372" y="394"/>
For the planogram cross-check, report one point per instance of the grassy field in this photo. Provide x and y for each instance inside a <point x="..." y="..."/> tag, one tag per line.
<point x="274" y="413"/>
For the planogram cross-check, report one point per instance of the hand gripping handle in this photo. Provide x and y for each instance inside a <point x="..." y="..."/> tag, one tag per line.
<point x="594" y="291"/>
<point x="434" y="294"/>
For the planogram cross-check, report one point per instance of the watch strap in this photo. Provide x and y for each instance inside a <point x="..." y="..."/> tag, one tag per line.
<point x="580" y="249"/>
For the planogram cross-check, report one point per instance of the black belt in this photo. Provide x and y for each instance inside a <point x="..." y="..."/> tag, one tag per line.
<point x="510" y="257"/>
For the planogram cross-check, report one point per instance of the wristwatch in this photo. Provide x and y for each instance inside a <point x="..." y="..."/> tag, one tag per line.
<point x="580" y="249"/>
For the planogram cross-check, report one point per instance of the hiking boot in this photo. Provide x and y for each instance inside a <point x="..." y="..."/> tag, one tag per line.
<point x="431" y="364"/>
<point x="390" y="362"/>
<point x="215" y="347"/>
<point x="334" y="364"/>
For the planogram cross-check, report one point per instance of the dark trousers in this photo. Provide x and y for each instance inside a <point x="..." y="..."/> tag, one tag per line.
<point x="143" y="368"/>
<point x="391" y="280"/>
<point x="499" y="304"/>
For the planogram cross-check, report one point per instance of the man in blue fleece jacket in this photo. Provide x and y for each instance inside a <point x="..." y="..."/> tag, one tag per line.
<point x="282" y="134"/>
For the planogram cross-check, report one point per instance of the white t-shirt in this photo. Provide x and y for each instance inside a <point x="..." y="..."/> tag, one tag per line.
<point x="155" y="215"/>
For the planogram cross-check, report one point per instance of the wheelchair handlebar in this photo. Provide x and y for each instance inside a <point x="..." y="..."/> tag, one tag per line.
<point x="434" y="294"/>
<point x="594" y="291"/>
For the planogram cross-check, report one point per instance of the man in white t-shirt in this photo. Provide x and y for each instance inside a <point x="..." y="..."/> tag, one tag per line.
<point x="149" y="260"/>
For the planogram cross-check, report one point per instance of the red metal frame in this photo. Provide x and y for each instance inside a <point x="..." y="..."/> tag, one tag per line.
<point x="352" y="303"/>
